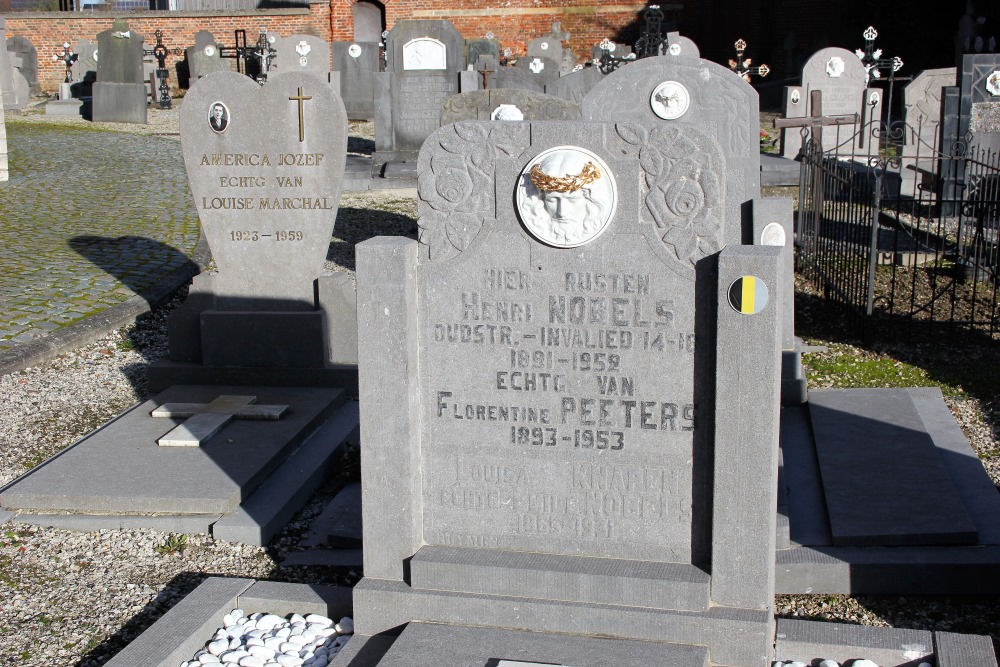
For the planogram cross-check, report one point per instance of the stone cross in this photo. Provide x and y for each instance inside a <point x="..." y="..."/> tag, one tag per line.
<point x="206" y="419"/>
<point x="872" y="58"/>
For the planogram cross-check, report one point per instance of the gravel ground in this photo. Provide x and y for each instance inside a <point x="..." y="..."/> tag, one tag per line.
<point x="69" y="598"/>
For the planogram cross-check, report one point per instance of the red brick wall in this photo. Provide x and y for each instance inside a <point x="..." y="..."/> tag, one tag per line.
<point x="48" y="30"/>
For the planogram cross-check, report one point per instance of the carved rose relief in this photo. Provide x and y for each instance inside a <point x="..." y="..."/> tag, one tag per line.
<point x="684" y="196"/>
<point x="456" y="184"/>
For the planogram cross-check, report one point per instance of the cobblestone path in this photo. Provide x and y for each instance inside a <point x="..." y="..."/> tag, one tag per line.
<point x="88" y="219"/>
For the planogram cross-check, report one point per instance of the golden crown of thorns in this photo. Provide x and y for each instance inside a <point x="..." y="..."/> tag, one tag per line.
<point x="567" y="183"/>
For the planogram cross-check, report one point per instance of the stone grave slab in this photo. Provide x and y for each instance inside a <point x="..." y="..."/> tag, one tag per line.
<point x="812" y="563"/>
<point x="540" y="69"/>
<point x="424" y="45"/>
<point x="672" y="94"/>
<point x="25" y="56"/>
<point x="357" y="62"/>
<point x="516" y="105"/>
<point x="187" y="626"/>
<point x="431" y="644"/>
<point x="302" y="53"/>
<point x="408" y="109"/>
<point x="870" y="456"/>
<point x="478" y="495"/>
<point x="978" y="100"/>
<point x="84" y="69"/>
<point x="922" y="99"/>
<point x="120" y="90"/>
<point x="513" y="77"/>
<point x="575" y="85"/>
<point x="204" y="57"/>
<point x="120" y="469"/>
<point x="840" y="75"/>
<point x="474" y="48"/>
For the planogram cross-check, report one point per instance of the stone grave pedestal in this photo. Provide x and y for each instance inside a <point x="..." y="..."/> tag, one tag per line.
<point x="119" y="94"/>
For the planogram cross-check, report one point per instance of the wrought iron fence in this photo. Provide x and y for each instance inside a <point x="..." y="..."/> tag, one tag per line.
<point x="900" y="231"/>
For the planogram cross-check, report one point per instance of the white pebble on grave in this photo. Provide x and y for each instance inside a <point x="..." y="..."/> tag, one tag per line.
<point x="831" y="663"/>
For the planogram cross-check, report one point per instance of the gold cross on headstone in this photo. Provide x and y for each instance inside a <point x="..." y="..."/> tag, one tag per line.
<point x="300" y="99"/>
<point x="206" y="419"/>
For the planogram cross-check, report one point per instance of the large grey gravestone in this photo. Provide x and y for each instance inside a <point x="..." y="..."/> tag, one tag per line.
<point x="575" y="85"/>
<point x="266" y="187"/>
<point x="205" y="56"/>
<point x="540" y="69"/>
<point x="679" y="45"/>
<point x="516" y="77"/>
<point x="671" y="92"/>
<point x="424" y="59"/>
<point x="357" y="63"/>
<point x="24" y="53"/>
<point x="84" y="70"/>
<point x="506" y="104"/>
<point x="979" y="103"/>
<point x="548" y="449"/>
<point x="840" y="75"/>
<point x="120" y="90"/>
<point x="486" y="46"/>
<point x="551" y="46"/>
<point x="922" y="100"/>
<point x="302" y="53"/>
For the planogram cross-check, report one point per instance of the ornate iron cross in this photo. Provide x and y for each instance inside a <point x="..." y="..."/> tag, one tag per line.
<point x="68" y="58"/>
<point x="742" y="65"/>
<point x="160" y="52"/>
<point x="872" y="58"/>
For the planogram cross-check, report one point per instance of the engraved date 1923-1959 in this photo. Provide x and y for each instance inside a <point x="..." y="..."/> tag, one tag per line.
<point x="280" y="235"/>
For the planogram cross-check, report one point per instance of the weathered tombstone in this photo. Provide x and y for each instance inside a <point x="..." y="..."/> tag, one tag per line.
<point x="302" y="53"/>
<point x="204" y="57"/>
<point x="506" y="104"/>
<point x="575" y="85"/>
<point x="357" y="62"/>
<point x="486" y="46"/>
<point x="7" y="94"/>
<point x="841" y="76"/>
<point x="540" y="69"/>
<point x="980" y="101"/>
<point x="554" y="446"/>
<point x="84" y="69"/>
<point x="250" y="416"/>
<point x="669" y="91"/>
<point x="24" y="53"/>
<point x="515" y="77"/>
<point x="367" y="22"/>
<point x="423" y="61"/>
<point x="120" y="90"/>
<point x="922" y="99"/>
<point x="679" y="45"/>
<point x="550" y="46"/>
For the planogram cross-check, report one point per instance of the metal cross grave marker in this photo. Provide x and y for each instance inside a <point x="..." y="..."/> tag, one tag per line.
<point x="742" y="66"/>
<point x="203" y="420"/>
<point x="300" y="99"/>
<point x="872" y="58"/>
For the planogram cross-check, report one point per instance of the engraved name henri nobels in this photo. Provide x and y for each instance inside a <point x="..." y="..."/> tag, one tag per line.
<point x="265" y="203"/>
<point x="594" y="327"/>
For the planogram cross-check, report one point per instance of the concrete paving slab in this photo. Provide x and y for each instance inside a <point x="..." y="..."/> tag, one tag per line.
<point x="776" y="170"/>
<point x="119" y="468"/>
<point x="883" y="478"/>
<point x="805" y="503"/>
<point x="887" y="647"/>
<point x="275" y="501"/>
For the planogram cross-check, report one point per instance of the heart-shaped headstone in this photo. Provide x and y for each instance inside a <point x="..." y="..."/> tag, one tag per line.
<point x="266" y="167"/>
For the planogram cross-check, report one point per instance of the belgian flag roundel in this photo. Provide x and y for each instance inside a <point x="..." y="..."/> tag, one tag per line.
<point x="748" y="295"/>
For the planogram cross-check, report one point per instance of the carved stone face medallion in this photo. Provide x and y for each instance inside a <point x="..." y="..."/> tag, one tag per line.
<point x="674" y="49"/>
<point x="993" y="83"/>
<point x="670" y="100"/>
<point x="773" y="234"/>
<point x="210" y="50"/>
<point x="566" y="196"/>
<point x="835" y="67"/>
<point x="507" y="112"/>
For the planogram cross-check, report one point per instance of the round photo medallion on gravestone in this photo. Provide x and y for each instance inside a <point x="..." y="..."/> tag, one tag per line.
<point x="354" y="50"/>
<point x="566" y="196"/>
<point x="993" y="83"/>
<point x="748" y="295"/>
<point x="670" y="100"/>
